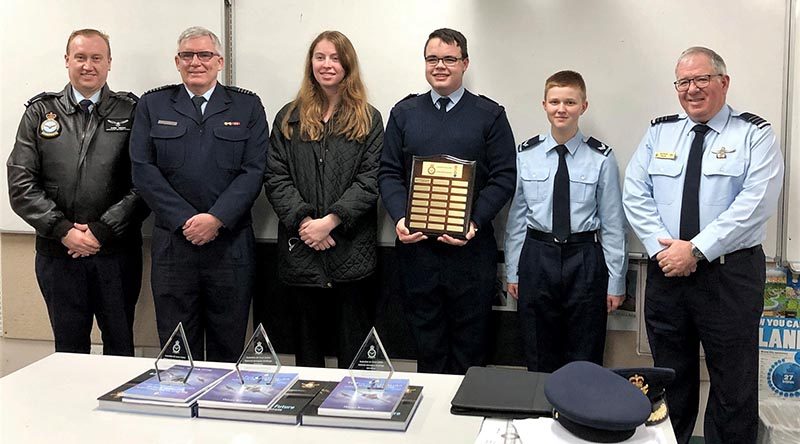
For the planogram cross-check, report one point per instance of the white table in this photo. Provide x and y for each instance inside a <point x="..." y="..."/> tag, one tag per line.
<point x="55" y="400"/>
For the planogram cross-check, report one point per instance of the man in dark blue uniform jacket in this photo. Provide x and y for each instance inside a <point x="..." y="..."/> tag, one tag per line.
<point x="449" y="282"/>
<point x="199" y="153"/>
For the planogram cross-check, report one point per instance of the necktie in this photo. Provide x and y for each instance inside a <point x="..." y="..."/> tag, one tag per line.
<point x="561" y="223"/>
<point x="198" y="103"/>
<point x="690" y="207"/>
<point x="443" y="102"/>
<point x="85" y="105"/>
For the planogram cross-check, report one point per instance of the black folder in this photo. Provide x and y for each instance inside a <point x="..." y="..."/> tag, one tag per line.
<point x="502" y="393"/>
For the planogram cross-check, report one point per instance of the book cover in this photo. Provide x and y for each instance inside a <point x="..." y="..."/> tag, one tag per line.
<point x="345" y="400"/>
<point x="254" y="394"/>
<point x="169" y="390"/>
<point x="399" y="421"/>
<point x="285" y="410"/>
<point x="113" y="401"/>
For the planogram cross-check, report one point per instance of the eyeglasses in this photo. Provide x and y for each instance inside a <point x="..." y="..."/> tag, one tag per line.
<point x="203" y="56"/>
<point x="447" y="60"/>
<point x="700" y="82"/>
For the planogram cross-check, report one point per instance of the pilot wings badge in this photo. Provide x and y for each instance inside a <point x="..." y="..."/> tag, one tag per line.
<point x="722" y="153"/>
<point x="117" y="125"/>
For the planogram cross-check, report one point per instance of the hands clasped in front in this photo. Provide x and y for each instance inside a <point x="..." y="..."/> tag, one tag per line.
<point x="201" y="229"/>
<point x="676" y="260"/>
<point x="316" y="233"/>
<point x="80" y="241"/>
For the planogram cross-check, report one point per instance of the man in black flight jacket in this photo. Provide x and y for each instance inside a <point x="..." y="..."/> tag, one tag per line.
<point x="69" y="177"/>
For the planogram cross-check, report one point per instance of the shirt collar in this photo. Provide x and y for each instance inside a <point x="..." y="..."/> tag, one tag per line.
<point x="454" y="97"/>
<point x="206" y="94"/>
<point x="571" y="144"/>
<point x="717" y="123"/>
<point x="78" y="96"/>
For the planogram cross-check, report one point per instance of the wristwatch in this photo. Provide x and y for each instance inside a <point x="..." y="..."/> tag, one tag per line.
<point x="698" y="254"/>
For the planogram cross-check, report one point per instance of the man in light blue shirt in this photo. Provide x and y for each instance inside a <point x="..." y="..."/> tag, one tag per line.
<point x="698" y="193"/>
<point x="565" y="246"/>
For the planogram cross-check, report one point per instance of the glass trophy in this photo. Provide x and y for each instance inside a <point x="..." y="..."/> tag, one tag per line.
<point x="176" y="349"/>
<point x="372" y="363"/>
<point x="259" y="356"/>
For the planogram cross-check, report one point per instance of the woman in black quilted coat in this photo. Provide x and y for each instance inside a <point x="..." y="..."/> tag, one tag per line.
<point x="321" y="180"/>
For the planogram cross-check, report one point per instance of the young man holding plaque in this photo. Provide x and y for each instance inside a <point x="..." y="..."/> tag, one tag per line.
<point x="565" y="236"/>
<point x="449" y="280"/>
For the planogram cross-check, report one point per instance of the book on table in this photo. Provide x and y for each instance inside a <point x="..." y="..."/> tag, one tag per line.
<point x="286" y="410"/>
<point x="171" y="388"/>
<point x="113" y="401"/>
<point x="399" y="421"/>
<point x="360" y="401"/>
<point x="252" y="394"/>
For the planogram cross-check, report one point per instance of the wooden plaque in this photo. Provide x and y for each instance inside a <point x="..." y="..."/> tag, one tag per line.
<point x="440" y="195"/>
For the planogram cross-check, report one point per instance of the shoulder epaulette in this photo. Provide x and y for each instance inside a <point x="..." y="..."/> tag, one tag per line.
<point x="40" y="96"/>
<point x="530" y="143"/>
<point x="160" y="88"/>
<point x="240" y="90"/>
<point x="599" y="146"/>
<point x="481" y="95"/>
<point x="410" y="96"/>
<point x="754" y="119"/>
<point x="128" y="96"/>
<point x="662" y="119"/>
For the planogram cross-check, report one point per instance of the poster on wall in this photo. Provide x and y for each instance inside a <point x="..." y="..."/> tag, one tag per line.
<point x="779" y="366"/>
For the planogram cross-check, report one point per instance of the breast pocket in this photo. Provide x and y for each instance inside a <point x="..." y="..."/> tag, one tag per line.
<point x="722" y="179"/>
<point x="229" y="146"/>
<point x="170" y="148"/>
<point x="583" y="184"/>
<point x="664" y="173"/>
<point x="535" y="183"/>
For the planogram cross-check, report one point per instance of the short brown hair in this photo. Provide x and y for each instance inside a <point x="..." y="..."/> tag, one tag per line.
<point x="89" y="32"/>
<point x="565" y="78"/>
<point x="450" y="37"/>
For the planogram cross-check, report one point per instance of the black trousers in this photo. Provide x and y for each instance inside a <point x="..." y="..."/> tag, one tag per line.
<point x="719" y="306"/>
<point x="562" y="303"/>
<point x="207" y="287"/>
<point x="448" y="301"/>
<point x="76" y="290"/>
<point x="340" y="316"/>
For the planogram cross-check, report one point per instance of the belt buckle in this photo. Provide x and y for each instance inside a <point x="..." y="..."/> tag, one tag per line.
<point x="558" y="241"/>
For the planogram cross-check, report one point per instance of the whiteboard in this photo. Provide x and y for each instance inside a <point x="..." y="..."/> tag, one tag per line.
<point x="33" y="38"/>
<point x="625" y="49"/>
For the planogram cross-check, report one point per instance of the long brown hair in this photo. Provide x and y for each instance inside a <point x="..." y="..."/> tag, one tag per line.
<point x="352" y="118"/>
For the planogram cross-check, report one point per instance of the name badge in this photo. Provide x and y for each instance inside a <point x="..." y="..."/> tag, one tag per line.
<point x="167" y="122"/>
<point x="113" y="125"/>
<point x="669" y="155"/>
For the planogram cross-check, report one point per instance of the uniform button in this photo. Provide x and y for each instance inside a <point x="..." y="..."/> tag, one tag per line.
<point x="583" y="177"/>
<point x="329" y="285"/>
